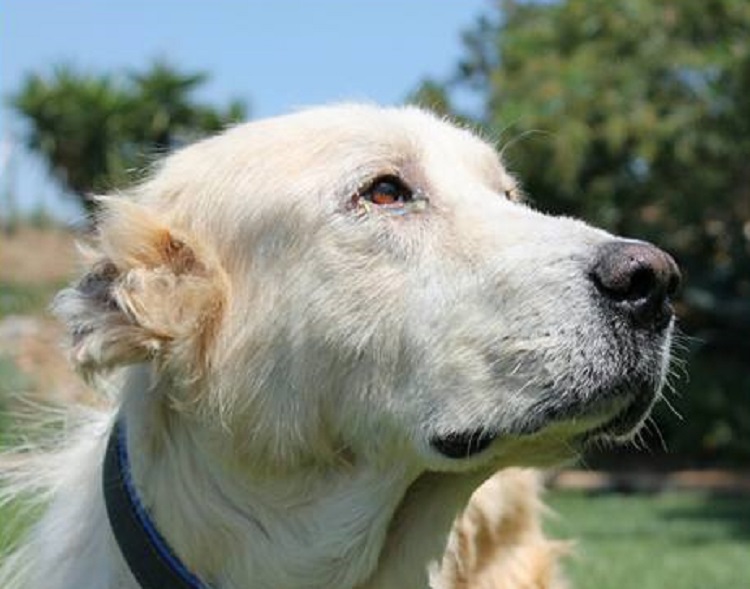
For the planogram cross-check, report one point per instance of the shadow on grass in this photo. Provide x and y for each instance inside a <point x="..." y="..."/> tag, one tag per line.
<point x="678" y="518"/>
<point x="726" y="514"/>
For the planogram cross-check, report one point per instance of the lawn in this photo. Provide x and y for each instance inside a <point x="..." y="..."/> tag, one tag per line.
<point x="11" y="380"/>
<point x="673" y="540"/>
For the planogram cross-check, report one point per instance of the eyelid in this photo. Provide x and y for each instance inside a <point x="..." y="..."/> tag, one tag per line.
<point x="388" y="179"/>
<point x="417" y="200"/>
<point x="402" y="189"/>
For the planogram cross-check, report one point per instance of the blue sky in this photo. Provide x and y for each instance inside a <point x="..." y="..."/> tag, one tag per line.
<point x="276" y="55"/>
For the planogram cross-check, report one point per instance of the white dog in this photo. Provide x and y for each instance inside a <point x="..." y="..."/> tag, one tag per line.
<point x="326" y="331"/>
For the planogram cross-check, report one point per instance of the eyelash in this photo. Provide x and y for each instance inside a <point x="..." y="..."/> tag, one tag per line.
<point x="389" y="191"/>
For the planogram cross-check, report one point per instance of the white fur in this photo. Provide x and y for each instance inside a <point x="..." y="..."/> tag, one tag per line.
<point x="286" y="351"/>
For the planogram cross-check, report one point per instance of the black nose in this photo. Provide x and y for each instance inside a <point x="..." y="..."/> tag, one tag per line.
<point x="638" y="278"/>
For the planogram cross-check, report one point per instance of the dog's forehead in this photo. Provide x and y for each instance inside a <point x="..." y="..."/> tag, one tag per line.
<point x="317" y="156"/>
<point x="439" y="149"/>
<point x="359" y="138"/>
<point x="391" y="127"/>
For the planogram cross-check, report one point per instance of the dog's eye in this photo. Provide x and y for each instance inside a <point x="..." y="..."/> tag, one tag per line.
<point x="387" y="191"/>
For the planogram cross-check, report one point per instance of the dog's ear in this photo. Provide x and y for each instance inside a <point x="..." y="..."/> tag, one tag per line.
<point x="150" y="293"/>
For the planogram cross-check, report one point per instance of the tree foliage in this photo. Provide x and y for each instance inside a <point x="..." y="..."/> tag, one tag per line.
<point x="635" y="115"/>
<point x="95" y="130"/>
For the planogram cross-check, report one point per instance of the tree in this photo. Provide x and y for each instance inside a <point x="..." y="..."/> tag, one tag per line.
<point x="76" y="124"/>
<point x="164" y="113"/>
<point x="634" y="115"/>
<point x="95" y="130"/>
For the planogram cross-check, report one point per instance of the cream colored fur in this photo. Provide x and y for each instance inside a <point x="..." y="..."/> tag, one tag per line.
<point x="283" y="352"/>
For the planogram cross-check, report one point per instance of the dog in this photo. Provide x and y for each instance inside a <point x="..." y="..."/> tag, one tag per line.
<point x="322" y="333"/>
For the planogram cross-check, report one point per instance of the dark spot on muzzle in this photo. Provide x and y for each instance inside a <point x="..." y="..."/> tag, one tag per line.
<point x="463" y="444"/>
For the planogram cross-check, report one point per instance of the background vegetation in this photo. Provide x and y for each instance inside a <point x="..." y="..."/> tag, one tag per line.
<point x="94" y="131"/>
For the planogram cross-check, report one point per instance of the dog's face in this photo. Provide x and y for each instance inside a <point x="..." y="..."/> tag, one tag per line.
<point x="365" y="282"/>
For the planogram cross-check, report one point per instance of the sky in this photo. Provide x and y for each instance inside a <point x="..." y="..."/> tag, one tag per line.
<point x="275" y="55"/>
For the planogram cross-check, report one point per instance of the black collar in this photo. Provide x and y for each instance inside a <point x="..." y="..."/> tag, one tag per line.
<point x="147" y="553"/>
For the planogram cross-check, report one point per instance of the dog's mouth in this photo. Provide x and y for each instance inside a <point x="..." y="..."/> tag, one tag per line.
<point x="628" y="419"/>
<point x="614" y="419"/>
<point x="458" y="445"/>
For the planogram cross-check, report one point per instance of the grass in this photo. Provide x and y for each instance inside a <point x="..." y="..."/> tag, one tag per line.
<point x="12" y="525"/>
<point x="25" y="299"/>
<point x="685" y="540"/>
<point x="11" y="380"/>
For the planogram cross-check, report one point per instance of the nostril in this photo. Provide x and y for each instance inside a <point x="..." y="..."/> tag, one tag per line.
<point x="638" y="278"/>
<point x="642" y="284"/>
<point x="627" y="282"/>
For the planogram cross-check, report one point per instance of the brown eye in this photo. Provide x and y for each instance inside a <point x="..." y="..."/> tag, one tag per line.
<point x="387" y="191"/>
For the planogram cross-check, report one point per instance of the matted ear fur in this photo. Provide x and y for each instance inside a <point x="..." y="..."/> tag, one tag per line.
<point x="151" y="293"/>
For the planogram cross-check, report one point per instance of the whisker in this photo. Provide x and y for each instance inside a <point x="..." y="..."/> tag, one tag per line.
<point x="672" y="408"/>
<point x="652" y="422"/>
<point x="510" y="143"/>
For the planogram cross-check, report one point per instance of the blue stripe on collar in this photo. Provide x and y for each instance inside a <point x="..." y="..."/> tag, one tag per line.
<point x="151" y="560"/>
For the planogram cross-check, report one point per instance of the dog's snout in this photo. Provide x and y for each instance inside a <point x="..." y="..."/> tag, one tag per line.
<point x="639" y="279"/>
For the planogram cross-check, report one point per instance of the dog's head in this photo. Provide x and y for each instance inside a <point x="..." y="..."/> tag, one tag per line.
<point x="357" y="281"/>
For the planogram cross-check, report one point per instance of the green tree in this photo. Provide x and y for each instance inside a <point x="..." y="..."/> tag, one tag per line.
<point x="634" y="115"/>
<point x="165" y="115"/>
<point x="94" y="130"/>
<point x="76" y="124"/>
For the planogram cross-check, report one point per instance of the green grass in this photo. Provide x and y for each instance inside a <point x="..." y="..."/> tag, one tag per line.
<point x="25" y="299"/>
<point x="674" y="540"/>
<point x="11" y="381"/>
<point x="13" y="522"/>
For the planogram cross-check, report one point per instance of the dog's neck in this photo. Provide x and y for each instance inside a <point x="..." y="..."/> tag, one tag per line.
<point x="345" y="526"/>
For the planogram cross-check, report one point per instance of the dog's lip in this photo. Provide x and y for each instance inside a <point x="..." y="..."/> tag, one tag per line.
<point x="611" y="413"/>
<point x="463" y="444"/>
<point x="627" y="420"/>
<point x="615" y="417"/>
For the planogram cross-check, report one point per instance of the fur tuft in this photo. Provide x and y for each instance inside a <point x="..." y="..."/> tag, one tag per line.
<point x="151" y="293"/>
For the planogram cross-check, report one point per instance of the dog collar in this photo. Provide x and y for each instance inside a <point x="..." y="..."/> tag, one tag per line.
<point x="152" y="562"/>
